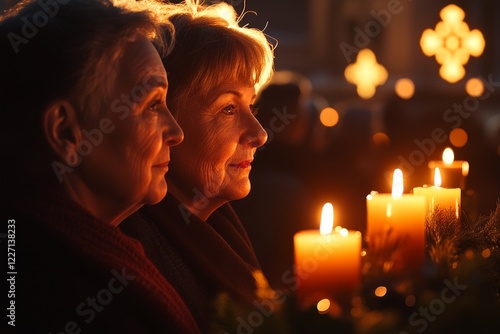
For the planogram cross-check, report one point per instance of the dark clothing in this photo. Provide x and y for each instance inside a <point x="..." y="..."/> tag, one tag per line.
<point x="200" y="259"/>
<point x="76" y="273"/>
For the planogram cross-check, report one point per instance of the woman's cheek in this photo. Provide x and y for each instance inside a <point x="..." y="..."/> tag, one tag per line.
<point x="218" y="179"/>
<point x="150" y="142"/>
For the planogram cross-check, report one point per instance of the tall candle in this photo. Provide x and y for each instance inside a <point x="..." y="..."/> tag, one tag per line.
<point x="436" y="196"/>
<point x="328" y="262"/>
<point x="397" y="219"/>
<point x="453" y="172"/>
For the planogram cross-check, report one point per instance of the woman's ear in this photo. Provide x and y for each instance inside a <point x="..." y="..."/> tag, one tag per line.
<point x="62" y="130"/>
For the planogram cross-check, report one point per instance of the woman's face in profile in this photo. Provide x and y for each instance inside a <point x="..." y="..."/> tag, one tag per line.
<point x="221" y="137"/>
<point x="130" y="162"/>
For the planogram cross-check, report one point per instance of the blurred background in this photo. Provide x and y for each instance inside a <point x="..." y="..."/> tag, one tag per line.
<point x="360" y="141"/>
<point x="329" y="142"/>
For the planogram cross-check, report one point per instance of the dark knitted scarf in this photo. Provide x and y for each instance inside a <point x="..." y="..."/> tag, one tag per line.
<point x="108" y="247"/>
<point x="219" y="250"/>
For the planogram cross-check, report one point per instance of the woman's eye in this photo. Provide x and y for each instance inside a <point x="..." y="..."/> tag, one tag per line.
<point x="155" y="106"/>
<point x="229" y="110"/>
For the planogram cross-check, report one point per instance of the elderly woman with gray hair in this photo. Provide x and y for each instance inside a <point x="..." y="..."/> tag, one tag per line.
<point x="87" y="136"/>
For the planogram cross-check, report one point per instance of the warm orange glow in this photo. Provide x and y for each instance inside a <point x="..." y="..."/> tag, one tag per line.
<point x="465" y="168"/>
<point x="344" y="232"/>
<point x="404" y="217"/>
<point x="452" y="43"/>
<point x="410" y="300"/>
<point x="366" y="73"/>
<point x="458" y="137"/>
<point x="380" y="291"/>
<point x="329" y="117"/>
<point x="397" y="183"/>
<point x="323" y="306"/>
<point x="474" y="87"/>
<point x="380" y="138"/>
<point x="405" y="88"/>
<point x="448" y="156"/>
<point x="326" y="225"/>
<point x="437" y="177"/>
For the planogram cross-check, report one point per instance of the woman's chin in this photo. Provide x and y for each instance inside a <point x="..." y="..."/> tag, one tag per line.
<point x="241" y="192"/>
<point x="156" y="195"/>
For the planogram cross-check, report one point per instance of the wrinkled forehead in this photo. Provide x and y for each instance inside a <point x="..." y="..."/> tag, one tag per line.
<point x="141" y="65"/>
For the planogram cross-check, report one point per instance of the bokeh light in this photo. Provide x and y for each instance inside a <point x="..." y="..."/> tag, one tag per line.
<point x="323" y="306"/>
<point x="366" y="73"/>
<point x="410" y="300"/>
<point x="474" y="87"/>
<point x="329" y="117"/>
<point x="380" y="291"/>
<point x="452" y="43"/>
<point x="405" y="88"/>
<point x="458" y="137"/>
<point x="486" y="253"/>
<point x="380" y="138"/>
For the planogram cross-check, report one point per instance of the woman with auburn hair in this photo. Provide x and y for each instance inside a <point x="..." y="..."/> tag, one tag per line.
<point x="87" y="135"/>
<point x="194" y="236"/>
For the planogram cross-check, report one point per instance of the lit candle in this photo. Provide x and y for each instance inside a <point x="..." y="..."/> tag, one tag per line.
<point x="453" y="172"/>
<point x="436" y="196"/>
<point x="397" y="219"/>
<point x="328" y="263"/>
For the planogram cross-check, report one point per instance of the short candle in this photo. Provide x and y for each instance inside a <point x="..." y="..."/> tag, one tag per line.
<point x="453" y="172"/>
<point x="328" y="262"/>
<point x="437" y="197"/>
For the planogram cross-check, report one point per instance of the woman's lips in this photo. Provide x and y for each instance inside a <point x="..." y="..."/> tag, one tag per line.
<point x="161" y="165"/>
<point x="243" y="164"/>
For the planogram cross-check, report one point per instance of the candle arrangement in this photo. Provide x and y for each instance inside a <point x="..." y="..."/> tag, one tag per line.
<point x="417" y="244"/>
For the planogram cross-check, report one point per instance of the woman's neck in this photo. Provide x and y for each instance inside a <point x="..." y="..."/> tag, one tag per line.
<point x="195" y="200"/>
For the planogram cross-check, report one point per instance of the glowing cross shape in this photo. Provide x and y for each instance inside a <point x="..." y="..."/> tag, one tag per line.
<point x="366" y="73"/>
<point x="452" y="43"/>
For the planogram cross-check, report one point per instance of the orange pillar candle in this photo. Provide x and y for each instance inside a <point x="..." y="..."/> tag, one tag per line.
<point x="453" y="172"/>
<point x="397" y="219"/>
<point x="436" y="196"/>
<point x="327" y="262"/>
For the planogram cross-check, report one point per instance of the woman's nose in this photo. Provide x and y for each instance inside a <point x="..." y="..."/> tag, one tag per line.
<point x="255" y="135"/>
<point x="172" y="132"/>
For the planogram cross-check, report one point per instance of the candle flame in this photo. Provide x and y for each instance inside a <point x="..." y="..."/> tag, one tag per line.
<point x="397" y="183"/>
<point x="326" y="225"/>
<point x="448" y="156"/>
<point x="437" y="177"/>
